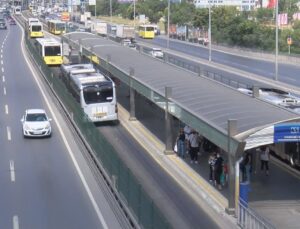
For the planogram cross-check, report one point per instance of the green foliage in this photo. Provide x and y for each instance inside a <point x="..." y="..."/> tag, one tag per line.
<point x="181" y="13"/>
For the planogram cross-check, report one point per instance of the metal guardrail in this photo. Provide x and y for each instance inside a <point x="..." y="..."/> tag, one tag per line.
<point x="195" y="67"/>
<point x="130" y="191"/>
<point x="247" y="218"/>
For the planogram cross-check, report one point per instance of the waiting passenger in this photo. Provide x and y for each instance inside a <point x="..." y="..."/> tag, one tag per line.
<point x="218" y="170"/>
<point x="211" y="162"/>
<point x="194" y="141"/>
<point x="264" y="159"/>
<point x="181" y="144"/>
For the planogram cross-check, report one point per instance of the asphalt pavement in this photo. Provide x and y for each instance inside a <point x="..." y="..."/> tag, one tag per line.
<point x="45" y="183"/>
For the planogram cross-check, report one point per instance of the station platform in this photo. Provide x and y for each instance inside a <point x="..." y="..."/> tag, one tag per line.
<point x="275" y="197"/>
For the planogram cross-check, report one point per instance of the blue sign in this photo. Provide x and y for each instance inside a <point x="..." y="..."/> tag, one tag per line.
<point x="287" y="132"/>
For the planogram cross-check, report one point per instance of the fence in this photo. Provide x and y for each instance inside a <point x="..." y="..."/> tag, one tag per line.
<point x="249" y="219"/>
<point x="131" y="192"/>
<point x="197" y="68"/>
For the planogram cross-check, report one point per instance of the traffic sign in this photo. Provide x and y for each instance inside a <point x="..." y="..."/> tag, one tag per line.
<point x="289" y="40"/>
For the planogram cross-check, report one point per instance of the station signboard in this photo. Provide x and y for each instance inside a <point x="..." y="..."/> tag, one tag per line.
<point x="287" y="132"/>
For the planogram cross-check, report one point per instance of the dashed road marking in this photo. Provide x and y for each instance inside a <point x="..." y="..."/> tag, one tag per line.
<point x="6" y="109"/>
<point x="2" y="69"/>
<point x="3" y="79"/>
<point x="8" y="133"/>
<point x="16" y="222"/>
<point x="12" y="171"/>
<point x="2" y="62"/>
<point x="4" y="90"/>
<point x="1" y="56"/>
<point x="1" y="50"/>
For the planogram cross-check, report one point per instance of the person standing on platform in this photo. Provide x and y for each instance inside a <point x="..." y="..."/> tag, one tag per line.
<point x="181" y="144"/>
<point x="211" y="162"/>
<point x="218" y="170"/>
<point x="194" y="141"/>
<point x="264" y="159"/>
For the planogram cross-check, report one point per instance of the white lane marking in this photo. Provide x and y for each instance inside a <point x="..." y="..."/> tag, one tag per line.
<point x="12" y="171"/>
<point x="2" y="69"/>
<point x="6" y="109"/>
<point x="16" y="222"/>
<point x="4" y="90"/>
<point x="1" y="56"/>
<point x="3" y="79"/>
<point x="1" y="50"/>
<point x="2" y="62"/>
<point x="8" y="133"/>
<point x="82" y="178"/>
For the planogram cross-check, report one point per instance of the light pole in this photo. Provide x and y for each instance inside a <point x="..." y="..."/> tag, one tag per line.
<point x="209" y="31"/>
<point x="276" y="52"/>
<point x="168" y="40"/>
<point x="110" y="7"/>
<point x="134" y="14"/>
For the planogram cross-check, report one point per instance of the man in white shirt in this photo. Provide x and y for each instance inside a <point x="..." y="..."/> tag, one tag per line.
<point x="264" y="159"/>
<point x="194" y="141"/>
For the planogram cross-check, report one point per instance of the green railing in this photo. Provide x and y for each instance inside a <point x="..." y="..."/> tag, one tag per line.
<point x="129" y="189"/>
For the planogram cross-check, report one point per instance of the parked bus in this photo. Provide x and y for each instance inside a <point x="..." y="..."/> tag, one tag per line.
<point x="95" y="93"/>
<point x="17" y="10"/>
<point x="56" y="27"/>
<point x="50" y="50"/>
<point x="35" y="30"/>
<point x="146" y="31"/>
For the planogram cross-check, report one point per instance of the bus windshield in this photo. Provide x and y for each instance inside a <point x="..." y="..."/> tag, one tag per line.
<point x="149" y="28"/>
<point x="60" y="26"/>
<point x="52" y="51"/>
<point x="36" y="28"/>
<point x="102" y="94"/>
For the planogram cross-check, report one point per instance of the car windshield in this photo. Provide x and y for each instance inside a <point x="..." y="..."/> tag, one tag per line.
<point x="36" y="117"/>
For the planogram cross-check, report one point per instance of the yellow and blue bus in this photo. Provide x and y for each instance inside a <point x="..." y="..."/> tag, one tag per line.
<point x="56" y="27"/>
<point x="35" y="30"/>
<point x="146" y="31"/>
<point x="50" y="50"/>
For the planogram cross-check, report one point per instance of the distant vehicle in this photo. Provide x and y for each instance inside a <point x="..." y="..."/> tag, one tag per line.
<point x="35" y="30"/>
<point x="157" y="53"/>
<point x="17" y="10"/>
<point x="146" y="31"/>
<point x="35" y="123"/>
<point x="95" y="93"/>
<point x="50" y="50"/>
<point x="2" y="24"/>
<point x="56" y="27"/>
<point x="32" y="20"/>
<point x="12" y="22"/>
<point x="125" y="32"/>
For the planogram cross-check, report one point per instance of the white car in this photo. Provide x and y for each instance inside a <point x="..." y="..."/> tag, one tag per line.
<point x="157" y="53"/>
<point x="35" y="123"/>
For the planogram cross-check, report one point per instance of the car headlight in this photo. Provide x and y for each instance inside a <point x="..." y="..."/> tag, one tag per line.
<point x="26" y="127"/>
<point x="47" y="126"/>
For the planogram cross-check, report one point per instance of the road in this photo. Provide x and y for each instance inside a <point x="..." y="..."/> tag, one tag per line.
<point x="45" y="183"/>
<point x="286" y="73"/>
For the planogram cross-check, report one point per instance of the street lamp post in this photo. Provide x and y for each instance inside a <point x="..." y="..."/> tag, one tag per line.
<point x="110" y="7"/>
<point x="209" y="30"/>
<point x="276" y="52"/>
<point x="168" y="40"/>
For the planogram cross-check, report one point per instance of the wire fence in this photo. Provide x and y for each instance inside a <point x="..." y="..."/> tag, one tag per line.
<point x="141" y="205"/>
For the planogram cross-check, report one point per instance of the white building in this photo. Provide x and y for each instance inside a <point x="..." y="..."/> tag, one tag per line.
<point x="241" y="4"/>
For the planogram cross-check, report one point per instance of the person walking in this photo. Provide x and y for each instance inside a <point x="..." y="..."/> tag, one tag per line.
<point x="264" y="159"/>
<point x="194" y="141"/>
<point x="180" y="141"/>
<point x="218" y="170"/>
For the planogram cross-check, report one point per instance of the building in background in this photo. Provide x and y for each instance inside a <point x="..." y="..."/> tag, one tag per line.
<point x="243" y="5"/>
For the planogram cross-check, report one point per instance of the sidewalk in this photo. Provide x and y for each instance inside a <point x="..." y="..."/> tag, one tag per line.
<point x="198" y="188"/>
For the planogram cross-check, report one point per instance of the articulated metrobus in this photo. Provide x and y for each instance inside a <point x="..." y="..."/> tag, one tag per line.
<point x="146" y="31"/>
<point x="96" y="95"/>
<point x="50" y="50"/>
<point x="56" y="27"/>
<point x="35" y="30"/>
